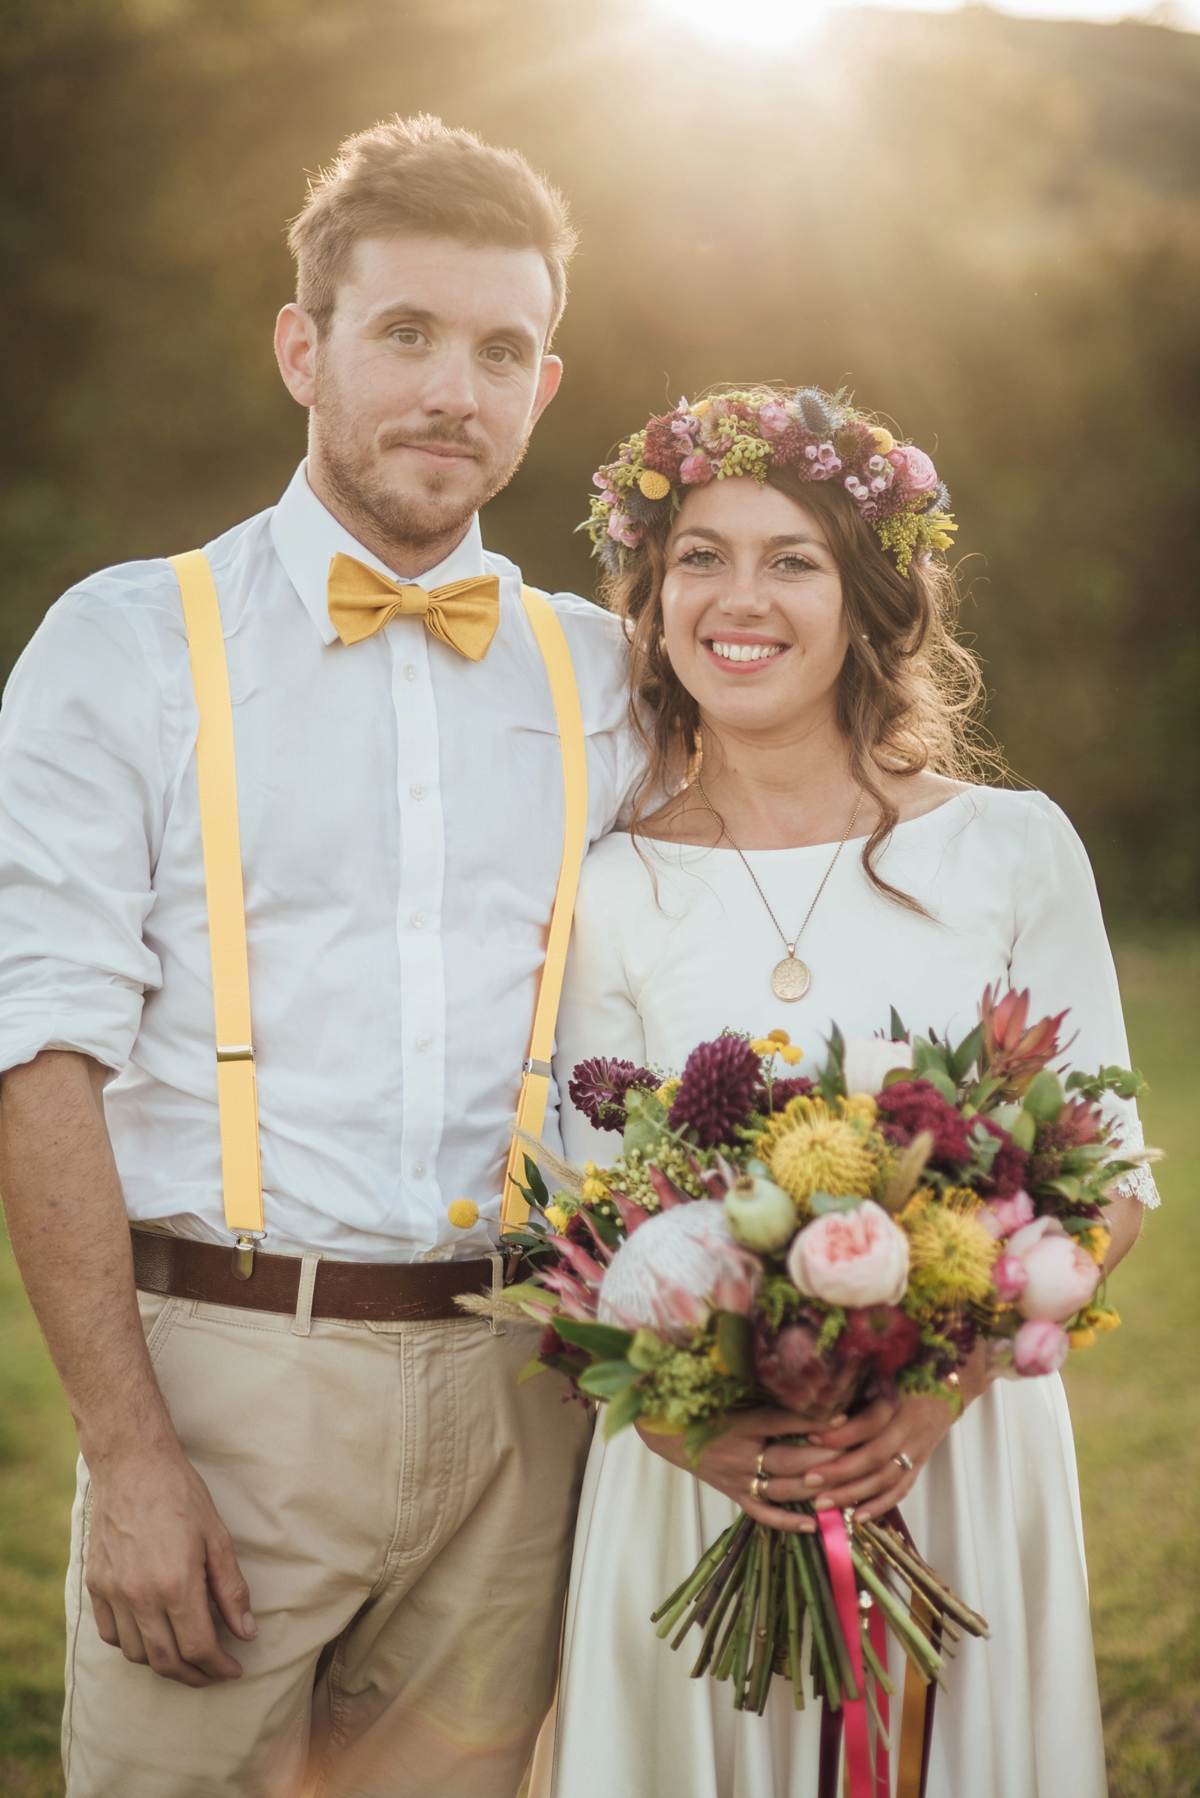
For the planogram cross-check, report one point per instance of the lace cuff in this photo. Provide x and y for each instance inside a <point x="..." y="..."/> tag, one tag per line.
<point x="1139" y="1183"/>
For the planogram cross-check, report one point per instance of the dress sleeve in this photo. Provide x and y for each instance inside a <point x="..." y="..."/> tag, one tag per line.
<point x="81" y="818"/>
<point x="599" y="1015"/>
<point x="1061" y="953"/>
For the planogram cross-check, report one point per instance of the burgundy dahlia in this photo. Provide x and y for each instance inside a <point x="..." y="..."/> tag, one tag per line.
<point x="911" y="1106"/>
<point x="718" y="1090"/>
<point x="598" y="1088"/>
<point x="882" y="1334"/>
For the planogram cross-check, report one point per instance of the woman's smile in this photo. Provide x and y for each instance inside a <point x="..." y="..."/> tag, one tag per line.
<point x="743" y="652"/>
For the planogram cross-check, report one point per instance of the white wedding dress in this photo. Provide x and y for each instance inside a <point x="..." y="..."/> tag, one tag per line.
<point x="672" y="945"/>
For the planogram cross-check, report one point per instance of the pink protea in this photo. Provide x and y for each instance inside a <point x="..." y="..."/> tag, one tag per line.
<point x="717" y="1090"/>
<point x="1011" y="1051"/>
<point x="680" y="1266"/>
<point x="788" y="1365"/>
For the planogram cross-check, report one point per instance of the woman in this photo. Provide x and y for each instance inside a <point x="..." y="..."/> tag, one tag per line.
<point x="801" y="694"/>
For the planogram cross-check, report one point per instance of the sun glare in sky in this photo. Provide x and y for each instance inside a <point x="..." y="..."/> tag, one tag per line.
<point x="768" y="23"/>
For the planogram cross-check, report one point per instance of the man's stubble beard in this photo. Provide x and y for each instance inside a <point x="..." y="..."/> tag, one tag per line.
<point x="377" y="514"/>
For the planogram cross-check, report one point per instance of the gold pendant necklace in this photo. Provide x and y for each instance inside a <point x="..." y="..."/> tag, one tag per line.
<point x="791" y="977"/>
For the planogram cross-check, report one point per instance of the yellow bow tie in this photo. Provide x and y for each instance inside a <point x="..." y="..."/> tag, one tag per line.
<point x="463" y="614"/>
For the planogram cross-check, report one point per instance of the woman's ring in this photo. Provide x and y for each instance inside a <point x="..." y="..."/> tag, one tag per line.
<point x="758" y="1486"/>
<point x="758" y="1465"/>
<point x="903" y="1461"/>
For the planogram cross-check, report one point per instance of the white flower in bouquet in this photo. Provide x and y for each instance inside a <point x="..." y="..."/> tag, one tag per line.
<point x="676" y="1269"/>
<point x="868" y="1060"/>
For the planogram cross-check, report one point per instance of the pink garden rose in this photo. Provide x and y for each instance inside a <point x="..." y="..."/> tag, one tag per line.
<point x="622" y="528"/>
<point x="868" y="1059"/>
<point x="695" y="471"/>
<point x="1059" y="1275"/>
<point x="914" y="469"/>
<point x="680" y="1265"/>
<point x="773" y="418"/>
<point x="1000" y="1217"/>
<point x="1009" y="1277"/>
<point x="1040" y="1347"/>
<point x="857" y="1257"/>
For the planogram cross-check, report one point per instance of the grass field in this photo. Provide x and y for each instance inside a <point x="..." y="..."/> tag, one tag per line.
<point x="1135" y="1399"/>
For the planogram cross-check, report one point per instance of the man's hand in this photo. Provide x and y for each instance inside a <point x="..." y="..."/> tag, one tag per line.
<point x="157" y="1553"/>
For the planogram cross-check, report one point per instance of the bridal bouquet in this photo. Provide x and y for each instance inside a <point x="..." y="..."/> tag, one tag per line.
<point x="761" y="1237"/>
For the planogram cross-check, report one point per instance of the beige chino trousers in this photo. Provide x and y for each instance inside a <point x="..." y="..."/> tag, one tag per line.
<point x="403" y="1513"/>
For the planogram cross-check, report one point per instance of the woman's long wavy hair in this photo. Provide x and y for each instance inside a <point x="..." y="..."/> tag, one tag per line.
<point x="909" y="693"/>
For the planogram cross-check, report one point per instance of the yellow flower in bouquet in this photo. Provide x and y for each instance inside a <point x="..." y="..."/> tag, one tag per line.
<point x="810" y="1148"/>
<point x="950" y="1254"/>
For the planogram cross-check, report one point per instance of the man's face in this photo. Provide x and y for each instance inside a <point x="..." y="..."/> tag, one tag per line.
<point x="426" y="384"/>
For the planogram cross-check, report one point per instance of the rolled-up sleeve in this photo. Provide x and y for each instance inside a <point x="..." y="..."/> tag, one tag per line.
<point x="82" y="790"/>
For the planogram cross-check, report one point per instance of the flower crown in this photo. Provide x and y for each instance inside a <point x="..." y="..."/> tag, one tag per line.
<point x="823" y="437"/>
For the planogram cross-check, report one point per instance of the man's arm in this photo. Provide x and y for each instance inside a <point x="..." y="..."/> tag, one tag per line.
<point x="157" y="1549"/>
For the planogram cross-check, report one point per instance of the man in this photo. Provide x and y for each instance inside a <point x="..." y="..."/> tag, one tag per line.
<point x="310" y="1553"/>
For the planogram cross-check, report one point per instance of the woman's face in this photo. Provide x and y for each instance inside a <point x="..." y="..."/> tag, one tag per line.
<point x="752" y="608"/>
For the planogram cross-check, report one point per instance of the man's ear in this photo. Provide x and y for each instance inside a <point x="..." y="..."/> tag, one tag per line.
<point x="549" y="377"/>
<point x="295" y="350"/>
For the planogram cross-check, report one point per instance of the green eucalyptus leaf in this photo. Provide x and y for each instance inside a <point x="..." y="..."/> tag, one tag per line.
<point x="1067" y="1187"/>
<point x="604" y="1379"/>
<point x="624" y="1409"/>
<point x="1045" y="1098"/>
<point x="1025" y="1130"/>
<point x="602" y="1340"/>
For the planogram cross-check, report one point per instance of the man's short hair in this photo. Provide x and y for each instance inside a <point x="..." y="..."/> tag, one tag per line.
<point x="417" y="175"/>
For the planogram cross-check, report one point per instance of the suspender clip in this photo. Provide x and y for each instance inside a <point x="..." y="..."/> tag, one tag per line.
<point x="244" y="1244"/>
<point x="541" y="1068"/>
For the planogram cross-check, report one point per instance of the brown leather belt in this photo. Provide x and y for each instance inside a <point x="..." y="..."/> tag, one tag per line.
<point x="344" y="1291"/>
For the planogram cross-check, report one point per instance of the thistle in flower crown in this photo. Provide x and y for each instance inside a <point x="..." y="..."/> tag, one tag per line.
<point x="822" y="437"/>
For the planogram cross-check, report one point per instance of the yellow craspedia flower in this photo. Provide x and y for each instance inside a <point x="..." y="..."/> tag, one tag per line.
<point x="1081" y="1339"/>
<point x="884" y="441"/>
<point x="463" y="1214"/>
<point x="949" y="1255"/>
<point x="557" y="1218"/>
<point x="810" y="1149"/>
<point x="653" y="484"/>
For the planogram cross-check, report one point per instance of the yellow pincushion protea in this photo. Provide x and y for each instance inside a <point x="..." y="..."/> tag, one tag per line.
<point x="810" y="1148"/>
<point x="950" y="1255"/>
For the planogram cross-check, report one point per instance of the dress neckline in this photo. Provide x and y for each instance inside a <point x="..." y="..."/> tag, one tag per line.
<point x="663" y="843"/>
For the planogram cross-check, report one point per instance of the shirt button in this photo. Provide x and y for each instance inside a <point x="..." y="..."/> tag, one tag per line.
<point x="417" y="790"/>
<point x="418" y="918"/>
<point x="410" y="672"/>
<point x="418" y="1170"/>
<point x="424" y="1042"/>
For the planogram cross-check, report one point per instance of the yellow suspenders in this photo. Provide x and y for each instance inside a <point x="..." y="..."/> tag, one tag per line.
<point x="216" y="774"/>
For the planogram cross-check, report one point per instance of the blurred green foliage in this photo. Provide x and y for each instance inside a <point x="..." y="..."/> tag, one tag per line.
<point x="989" y="227"/>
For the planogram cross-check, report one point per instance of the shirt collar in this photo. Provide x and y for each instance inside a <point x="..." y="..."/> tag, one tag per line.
<point x="307" y="537"/>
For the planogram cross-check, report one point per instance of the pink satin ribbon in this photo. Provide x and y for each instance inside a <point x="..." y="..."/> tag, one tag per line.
<point x="865" y="1781"/>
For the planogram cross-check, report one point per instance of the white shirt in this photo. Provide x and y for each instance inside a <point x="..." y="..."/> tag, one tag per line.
<point x="401" y="816"/>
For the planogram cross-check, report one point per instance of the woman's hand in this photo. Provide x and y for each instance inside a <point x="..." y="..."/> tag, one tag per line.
<point x="869" y="1471"/>
<point x="747" y="1450"/>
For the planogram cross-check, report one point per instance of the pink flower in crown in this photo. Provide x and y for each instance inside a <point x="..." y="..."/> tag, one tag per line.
<point x="1040" y="1347"/>
<point x="914" y="469"/>
<point x="622" y="528"/>
<point x="857" y="489"/>
<point x="773" y="418"/>
<point x="825" y="461"/>
<point x="695" y="471"/>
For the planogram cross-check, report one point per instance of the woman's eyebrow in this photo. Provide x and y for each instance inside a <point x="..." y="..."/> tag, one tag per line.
<point x="699" y="530"/>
